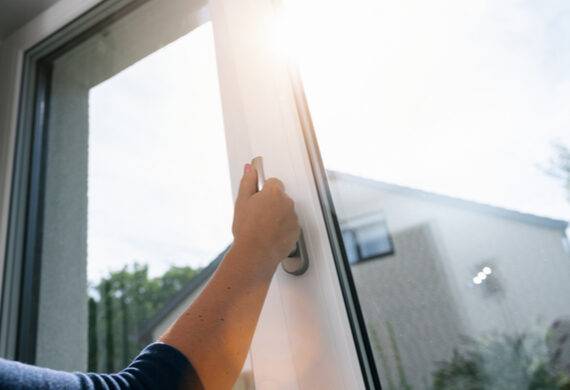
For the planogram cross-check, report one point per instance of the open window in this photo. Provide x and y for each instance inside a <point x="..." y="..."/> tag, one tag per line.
<point x="409" y="137"/>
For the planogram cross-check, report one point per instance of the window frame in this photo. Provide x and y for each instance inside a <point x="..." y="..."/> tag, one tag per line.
<point x="30" y="51"/>
<point x="330" y="293"/>
<point x="272" y="97"/>
<point x="355" y="316"/>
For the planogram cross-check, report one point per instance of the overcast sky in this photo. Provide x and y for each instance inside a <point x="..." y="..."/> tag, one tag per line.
<point x="159" y="190"/>
<point x="463" y="98"/>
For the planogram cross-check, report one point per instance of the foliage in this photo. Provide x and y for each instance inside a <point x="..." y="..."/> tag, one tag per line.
<point x="120" y="304"/>
<point x="500" y="362"/>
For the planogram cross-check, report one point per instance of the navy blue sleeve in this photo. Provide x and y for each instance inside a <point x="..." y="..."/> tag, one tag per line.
<point x="158" y="366"/>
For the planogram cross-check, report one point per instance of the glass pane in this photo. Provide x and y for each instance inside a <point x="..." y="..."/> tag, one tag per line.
<point x="138" y="204"/>
<point x="451" y="118"/>
<point x="366" y="237"/>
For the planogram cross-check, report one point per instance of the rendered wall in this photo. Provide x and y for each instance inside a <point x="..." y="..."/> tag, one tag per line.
<point x="425" y="290"/>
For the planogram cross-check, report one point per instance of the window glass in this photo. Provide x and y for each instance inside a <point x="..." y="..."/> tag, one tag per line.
<point x="451" y="118"/>
<point x="373" y="241"/>
<point x="138" y="204"/>
<point x="366" y="237"/>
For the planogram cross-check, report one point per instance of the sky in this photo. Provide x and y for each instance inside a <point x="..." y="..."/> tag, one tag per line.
<point x="463" y="98"/>
<point x="158" y="188"/>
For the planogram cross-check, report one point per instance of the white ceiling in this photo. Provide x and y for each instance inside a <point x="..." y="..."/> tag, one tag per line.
<point x="16" y="13"/>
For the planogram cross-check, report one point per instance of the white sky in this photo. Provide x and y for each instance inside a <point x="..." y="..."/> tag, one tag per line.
<point x="159" y="189"/>
<point x="457" y="97"/>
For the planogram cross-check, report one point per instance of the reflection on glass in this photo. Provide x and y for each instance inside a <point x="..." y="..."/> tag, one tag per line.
<point x="366" y="237"/>
<point x="450" y="119"/>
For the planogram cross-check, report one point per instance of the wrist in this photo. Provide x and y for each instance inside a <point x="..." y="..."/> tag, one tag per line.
<point x="252" y="258"/>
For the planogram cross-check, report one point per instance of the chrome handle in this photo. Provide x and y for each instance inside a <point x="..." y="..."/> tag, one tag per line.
<point x="297" y="262"/>
<point x="257" y="164"/>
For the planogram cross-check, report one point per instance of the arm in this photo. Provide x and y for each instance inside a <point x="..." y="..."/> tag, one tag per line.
<point x="215" y="332"/>
<point x="158" y="366"/>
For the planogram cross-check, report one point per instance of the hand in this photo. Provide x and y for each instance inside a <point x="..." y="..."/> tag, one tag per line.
<point x="265" y="224"/>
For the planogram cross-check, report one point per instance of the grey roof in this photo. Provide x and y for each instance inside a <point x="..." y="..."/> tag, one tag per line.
<point x="453" y="202"/>
<point x="146" y="333"/>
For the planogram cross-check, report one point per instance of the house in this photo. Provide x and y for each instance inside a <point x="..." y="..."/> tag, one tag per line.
<point x="431" y="270"/>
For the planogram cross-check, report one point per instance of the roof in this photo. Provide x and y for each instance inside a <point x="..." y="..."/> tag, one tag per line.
<point x="194" y="284"/>
<point x="453" y="202"/>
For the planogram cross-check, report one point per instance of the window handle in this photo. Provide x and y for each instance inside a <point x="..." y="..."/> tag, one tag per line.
<point x="297" y="262"/>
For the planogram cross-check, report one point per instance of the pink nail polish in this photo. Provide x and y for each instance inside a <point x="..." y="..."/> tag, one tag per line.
<point x="247" y="168"/>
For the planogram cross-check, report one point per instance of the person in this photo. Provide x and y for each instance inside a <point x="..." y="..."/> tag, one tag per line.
<point x="206" y="347"/>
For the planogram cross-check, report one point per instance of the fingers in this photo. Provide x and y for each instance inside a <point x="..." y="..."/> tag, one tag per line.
<point x="273" y="184"/>
<point x="248" y="184"/>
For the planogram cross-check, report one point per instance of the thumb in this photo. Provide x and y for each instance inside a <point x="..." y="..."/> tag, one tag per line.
<point x="248" y="184"/>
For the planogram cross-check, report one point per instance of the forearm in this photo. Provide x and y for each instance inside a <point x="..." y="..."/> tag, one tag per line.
<point x="215" y="332"/>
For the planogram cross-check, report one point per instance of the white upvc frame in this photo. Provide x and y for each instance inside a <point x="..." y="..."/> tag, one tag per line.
<point x="304" y="322"/>
<point x="304" y="338"/>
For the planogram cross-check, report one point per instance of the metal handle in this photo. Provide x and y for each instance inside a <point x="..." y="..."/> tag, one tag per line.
<point x="297" y="262"/>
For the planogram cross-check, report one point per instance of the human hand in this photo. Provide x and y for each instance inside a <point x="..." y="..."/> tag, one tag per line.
<point x="265" y="224"/>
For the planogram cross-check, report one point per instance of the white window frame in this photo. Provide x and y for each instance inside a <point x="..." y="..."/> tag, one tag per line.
<point x="305" y="339"/>
<point x="273" y="117"/>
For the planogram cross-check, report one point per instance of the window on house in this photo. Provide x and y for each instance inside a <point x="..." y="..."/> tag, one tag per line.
<point x="366" y="238"/>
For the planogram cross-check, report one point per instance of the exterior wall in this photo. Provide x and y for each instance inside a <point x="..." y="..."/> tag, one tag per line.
<point x="408" y="306"/>
<point x="439" y="247"/>
<point x="63" y="278"/>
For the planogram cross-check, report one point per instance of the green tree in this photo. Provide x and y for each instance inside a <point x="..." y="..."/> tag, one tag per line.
<point x="501" y="362"/>
<point x="120" y="303"/>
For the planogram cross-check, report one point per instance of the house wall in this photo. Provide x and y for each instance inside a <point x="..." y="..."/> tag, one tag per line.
<point x="410" y="313"/>
<point x="425" y="290"/>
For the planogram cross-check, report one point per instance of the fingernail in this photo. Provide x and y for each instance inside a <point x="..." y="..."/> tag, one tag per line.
<point x="247" y="168"/>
